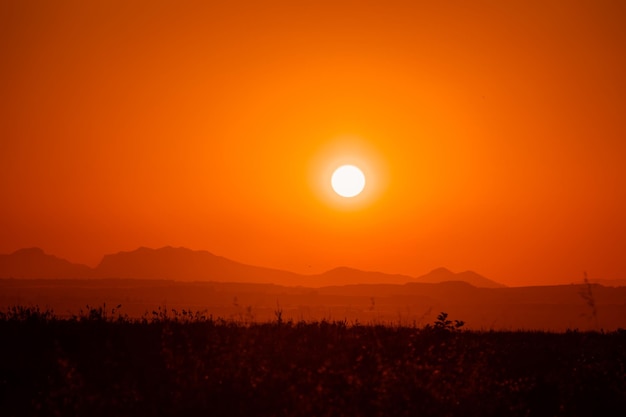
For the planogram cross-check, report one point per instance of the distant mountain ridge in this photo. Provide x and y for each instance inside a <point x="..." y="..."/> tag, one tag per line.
<point x="34" y="263"/>
<point x="182" y="264"/>
<point x="471" y="277"/>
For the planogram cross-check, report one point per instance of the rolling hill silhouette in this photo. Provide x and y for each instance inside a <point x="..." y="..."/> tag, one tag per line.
<point x="471" y="277"/>
<point x="182" y="264"/>
<point x="35" y="263"/>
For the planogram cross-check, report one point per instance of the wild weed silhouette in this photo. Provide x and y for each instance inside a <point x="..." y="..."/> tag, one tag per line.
<point x="587" y="294"/>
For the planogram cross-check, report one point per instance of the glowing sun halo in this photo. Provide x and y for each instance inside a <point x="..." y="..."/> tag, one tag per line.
<point x="348" y="181"/>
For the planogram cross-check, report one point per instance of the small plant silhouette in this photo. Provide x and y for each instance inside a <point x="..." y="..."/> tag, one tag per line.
<point x="586" y="294"/>
<point x="279" y="314"/>
<point x="443" y="324"/>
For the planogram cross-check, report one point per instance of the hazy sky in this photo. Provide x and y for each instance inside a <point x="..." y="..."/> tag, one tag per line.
<point x="492" y="134"/>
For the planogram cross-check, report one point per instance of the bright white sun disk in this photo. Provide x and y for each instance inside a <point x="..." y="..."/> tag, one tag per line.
<point x="348" y="181"/>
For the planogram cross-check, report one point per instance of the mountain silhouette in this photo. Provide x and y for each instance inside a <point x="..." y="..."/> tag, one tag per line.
<point x="344" y="275"/>
<point x="182" y="264"/>
<point x="444" y="275"/>
<point x="35" y="263"/>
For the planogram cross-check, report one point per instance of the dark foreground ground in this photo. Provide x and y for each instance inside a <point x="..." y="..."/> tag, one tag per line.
<point x="187" y="365"/>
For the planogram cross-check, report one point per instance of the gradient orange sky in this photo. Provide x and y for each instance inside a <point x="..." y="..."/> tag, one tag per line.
<point x="492" y="134"/>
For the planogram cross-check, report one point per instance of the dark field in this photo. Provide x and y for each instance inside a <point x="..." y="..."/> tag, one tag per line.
<point x="99" y="364"/>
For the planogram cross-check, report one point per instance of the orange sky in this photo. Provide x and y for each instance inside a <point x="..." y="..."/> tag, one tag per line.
<point x="493" y="134"/>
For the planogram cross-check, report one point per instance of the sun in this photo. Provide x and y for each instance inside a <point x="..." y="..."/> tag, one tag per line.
<point x="348" y="181"/>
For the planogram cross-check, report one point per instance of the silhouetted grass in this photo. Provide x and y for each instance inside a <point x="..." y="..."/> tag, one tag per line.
<point x="185" y="364"/>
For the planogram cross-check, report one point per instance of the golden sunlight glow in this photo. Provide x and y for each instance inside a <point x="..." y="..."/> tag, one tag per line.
<point x="348" y="181"/>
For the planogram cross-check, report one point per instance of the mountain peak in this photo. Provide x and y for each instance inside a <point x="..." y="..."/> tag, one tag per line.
<point x="174" y="263"/>
<point x="441" y="271"/>
<point x="441" y="274"/>
<point x="34" y="251"/>
<point x="35" y="263"/>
